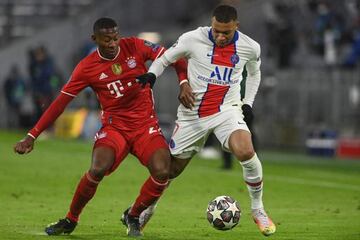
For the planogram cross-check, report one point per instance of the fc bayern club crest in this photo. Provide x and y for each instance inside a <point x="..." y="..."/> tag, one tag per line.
<point x="234" y="59"/>
<point x="131" y="62"/>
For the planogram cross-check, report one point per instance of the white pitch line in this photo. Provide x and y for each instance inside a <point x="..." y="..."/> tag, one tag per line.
<point x="34" y="233"/>
<point x="316" y="183"/>
<point x="301" y="181"/>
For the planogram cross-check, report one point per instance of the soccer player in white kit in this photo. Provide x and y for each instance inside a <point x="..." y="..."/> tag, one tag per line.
<point x="210" y="100"/>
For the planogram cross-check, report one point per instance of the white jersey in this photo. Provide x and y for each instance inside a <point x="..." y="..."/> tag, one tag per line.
<point x="214" y="73"/>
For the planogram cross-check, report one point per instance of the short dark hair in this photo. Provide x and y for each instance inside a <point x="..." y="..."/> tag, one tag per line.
<point x="225" y="13"/>
<point x="104" y="23"/>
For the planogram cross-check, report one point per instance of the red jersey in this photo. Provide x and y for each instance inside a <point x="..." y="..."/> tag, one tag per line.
<point x="125" y="104"/>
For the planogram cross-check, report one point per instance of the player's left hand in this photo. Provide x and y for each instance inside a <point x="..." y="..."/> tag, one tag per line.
<point x="186" y="96"/>
<point x="26" y="145"/>
<point x="248" y="114"/>
<point x="148" y="77"/>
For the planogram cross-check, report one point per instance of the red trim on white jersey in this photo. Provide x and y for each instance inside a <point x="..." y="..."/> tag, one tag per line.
<point x="160" y="52"/>
<point x="212" y="100"/>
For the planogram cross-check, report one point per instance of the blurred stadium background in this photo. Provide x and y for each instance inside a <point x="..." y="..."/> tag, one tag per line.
<point x="309" y="99"/>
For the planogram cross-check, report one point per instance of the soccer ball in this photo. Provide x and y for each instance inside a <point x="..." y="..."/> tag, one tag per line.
<point x="223" y="213"/>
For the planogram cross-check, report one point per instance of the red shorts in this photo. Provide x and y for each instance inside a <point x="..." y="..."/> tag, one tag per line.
<point x="142" y="142"/>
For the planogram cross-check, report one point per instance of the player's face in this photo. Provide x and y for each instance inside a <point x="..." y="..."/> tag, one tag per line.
<point x="107" y="40"/>
<point x="223" y="33"/>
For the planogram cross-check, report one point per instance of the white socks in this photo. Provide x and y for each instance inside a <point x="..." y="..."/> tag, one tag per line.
<point x="252" y="171"/>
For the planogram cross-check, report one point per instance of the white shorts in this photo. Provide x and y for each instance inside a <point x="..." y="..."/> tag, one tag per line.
<point x="189" y="136"/>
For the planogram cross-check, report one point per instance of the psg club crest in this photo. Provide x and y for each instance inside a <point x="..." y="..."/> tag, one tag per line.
<point x="234" y="59"/>
<point x="172" y="144"/>
<point x="116" y="68"/>
<point x="131" y="62"/>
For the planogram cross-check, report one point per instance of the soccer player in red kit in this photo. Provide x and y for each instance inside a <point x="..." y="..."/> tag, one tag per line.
<point x="129" y="122"/>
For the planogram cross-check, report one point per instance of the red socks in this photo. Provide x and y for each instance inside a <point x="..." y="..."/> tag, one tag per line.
<point x="84" y="192"/>
<point x="149" y="193"/>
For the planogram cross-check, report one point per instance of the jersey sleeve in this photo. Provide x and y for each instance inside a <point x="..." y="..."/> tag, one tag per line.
<point x="179" y="49"/>
<point x="174" y="55"/>
<point x="254" y="75"/>
<point x="153" y="51"/>
<point x="76" y="82"/>
<point x="50" y="115"/>
<point x="149" y="50"/>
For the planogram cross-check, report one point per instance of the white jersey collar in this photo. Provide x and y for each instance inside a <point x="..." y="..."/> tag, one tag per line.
<point x="108" y="59"/>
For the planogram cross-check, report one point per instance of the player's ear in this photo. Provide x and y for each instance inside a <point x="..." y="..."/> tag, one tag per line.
<point x="237" y="25"/>
<point x="93" y="37"/>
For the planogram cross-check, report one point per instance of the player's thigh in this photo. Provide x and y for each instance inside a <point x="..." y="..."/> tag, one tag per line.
<point x="150" y="147"/>
<point x="189" y="138"/>
<point x="231" y="129"/>
<point x="110" y="149"/>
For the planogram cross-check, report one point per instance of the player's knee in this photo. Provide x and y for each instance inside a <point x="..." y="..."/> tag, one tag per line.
<point x="161" y="175"/>
<point x="244" y="154"/>
<point x="98" y="173"/>
<point x="100" y="168"/>
<point x="159" y="165"/>
<point x="102" y="160"/>
<point x="160" y="172"/>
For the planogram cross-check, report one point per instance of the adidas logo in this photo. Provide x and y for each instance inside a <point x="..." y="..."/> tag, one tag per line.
<point x="102" y="76"/>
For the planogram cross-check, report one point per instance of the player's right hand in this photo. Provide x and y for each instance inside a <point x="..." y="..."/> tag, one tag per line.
<point x="146" y="78"/>
<point x="186" y="96"/>
<point x="26" y="145"/>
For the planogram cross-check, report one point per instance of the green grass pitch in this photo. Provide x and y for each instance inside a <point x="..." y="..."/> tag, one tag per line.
<point x="307" y="197"/>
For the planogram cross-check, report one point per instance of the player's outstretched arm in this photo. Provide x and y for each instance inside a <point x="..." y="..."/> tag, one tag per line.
<point x="26" y="145"/>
